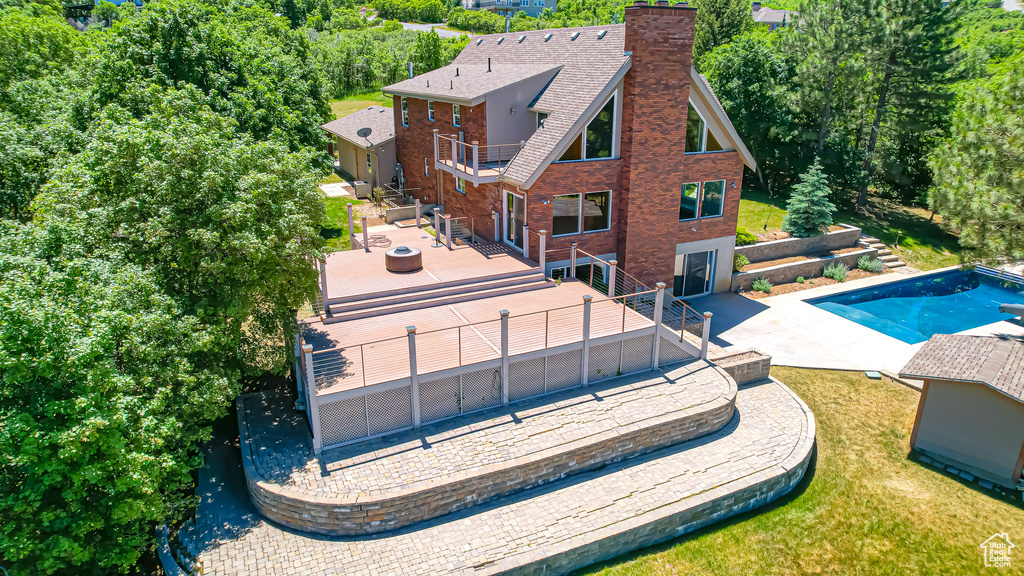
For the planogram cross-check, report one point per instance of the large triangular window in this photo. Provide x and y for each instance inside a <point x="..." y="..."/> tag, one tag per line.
<point x="597" y="140"/>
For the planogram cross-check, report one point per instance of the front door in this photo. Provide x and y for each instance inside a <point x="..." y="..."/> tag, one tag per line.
<point x="513" y="218"/>
<point x="697" y="274"/>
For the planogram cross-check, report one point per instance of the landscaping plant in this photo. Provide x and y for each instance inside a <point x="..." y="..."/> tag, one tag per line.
<point x="836" y="271"/>
<point x="809" y="212"/>
<point x="739" y="261"/>
<point x="744" y="237"/>
<point x="761" y="285"/>
<point x="799" y="279"/>
<point x="869" y="264"/>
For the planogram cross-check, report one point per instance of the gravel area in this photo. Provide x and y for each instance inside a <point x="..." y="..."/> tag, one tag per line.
<point x="855" y="274"/>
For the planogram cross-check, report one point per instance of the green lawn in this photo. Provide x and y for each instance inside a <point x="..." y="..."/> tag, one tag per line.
<point x="922" y="245"/>
<point x="868" y="509"/>
<point x="335" y="228"/>
<point x="357" y="102"/>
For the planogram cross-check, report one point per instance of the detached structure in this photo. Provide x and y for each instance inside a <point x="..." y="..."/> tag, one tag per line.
<point x="365" y="144"/>
<point x="771" y="18"/>
<point x="971" y="412"/>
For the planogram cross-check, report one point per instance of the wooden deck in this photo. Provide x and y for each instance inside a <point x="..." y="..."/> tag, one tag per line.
<point x="359" y="272"/>
<point x="458" y="334"/>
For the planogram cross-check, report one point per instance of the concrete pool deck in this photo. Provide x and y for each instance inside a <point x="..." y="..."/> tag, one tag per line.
<point x="796" y="333"/>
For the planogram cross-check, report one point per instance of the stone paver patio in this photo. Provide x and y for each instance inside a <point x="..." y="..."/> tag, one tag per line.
<point x="760" y="454"/>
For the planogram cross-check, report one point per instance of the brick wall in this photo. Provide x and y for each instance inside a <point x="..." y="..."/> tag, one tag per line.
<point x="654" y="115"/>
<point x="339" y="514"/>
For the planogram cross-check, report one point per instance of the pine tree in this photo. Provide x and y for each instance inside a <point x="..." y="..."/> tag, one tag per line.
<point x="809" y="212"/>
<point x="718" y="21"/>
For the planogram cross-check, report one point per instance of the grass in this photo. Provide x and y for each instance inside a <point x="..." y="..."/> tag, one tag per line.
<point x="335" y="229"/>
<point x="922" y="244"/>
<point x="356" y="102"/>
<point x="868" y="509"/>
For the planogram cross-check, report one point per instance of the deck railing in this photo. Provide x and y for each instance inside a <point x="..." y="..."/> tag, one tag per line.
<point x="365" y="390"/>
<point x="608" y="277"/>
<point x="470" y="159"/>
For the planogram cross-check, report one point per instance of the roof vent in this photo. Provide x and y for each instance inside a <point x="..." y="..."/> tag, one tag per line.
<point x="500" y="40"/>
<point x="547" y="37"/>
<point x="601" y="34"/>
<point x="521" y="38"/>
<point x="574" y="36"/>
<point x="479" y="41"/>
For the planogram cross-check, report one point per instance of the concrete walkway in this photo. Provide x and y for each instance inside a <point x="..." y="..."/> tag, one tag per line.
<point x="760" y="455"/>
<point x="796" y="333"/>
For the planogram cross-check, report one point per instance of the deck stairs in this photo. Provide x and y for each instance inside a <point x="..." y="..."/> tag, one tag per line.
<point x="886" y="255"/>
<point x="430" y="295"/>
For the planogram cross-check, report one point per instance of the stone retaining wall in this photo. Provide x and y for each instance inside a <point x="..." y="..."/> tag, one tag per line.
<point x="717" y="504"/>
<point x="776" y="249"/>
<point x="339" y="515"/>
<point x="789" y="272"/>
<point x="755" y="365"/>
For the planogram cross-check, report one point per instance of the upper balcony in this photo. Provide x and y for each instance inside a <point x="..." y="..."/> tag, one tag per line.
<point x="471" y="161"/>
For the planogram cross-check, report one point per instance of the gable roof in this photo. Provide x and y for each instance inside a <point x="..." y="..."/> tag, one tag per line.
<point x="772" y="16"/>
<point x="717" y="119"/>
<point x="468" y="84"/>
<point x="380" y="121"/>
<point x="995" y="361"/>
<point x="589" y="67"/>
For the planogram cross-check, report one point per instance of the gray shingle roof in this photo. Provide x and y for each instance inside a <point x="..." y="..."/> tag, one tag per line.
<point x="773" y="16"/>
<point x="587" y="66"/>
<point x="380" y="121"/>
<point x="992" y="360"/>
<point x="472" y="83"/>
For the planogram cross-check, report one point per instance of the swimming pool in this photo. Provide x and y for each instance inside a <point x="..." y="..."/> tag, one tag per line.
<point x="913" y="310"/>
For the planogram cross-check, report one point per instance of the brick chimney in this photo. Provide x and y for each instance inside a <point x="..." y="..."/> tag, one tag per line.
<point x="656" y="90"/>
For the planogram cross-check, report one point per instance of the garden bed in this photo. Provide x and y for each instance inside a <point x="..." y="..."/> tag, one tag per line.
<point x="817" y="282"/>
<point x="770" y="263"/>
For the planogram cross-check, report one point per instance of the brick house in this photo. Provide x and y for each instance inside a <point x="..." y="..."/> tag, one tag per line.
<point x="605" y="136"/>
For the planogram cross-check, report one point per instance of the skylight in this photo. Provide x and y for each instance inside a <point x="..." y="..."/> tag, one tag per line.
<point x="500" y="40"/>
<point x="547" y="37"/>
<point x="574" y="35"/>
<point x="601" y="34"/>
<point x="521" y="38"/>
<point x="479" y="41"/>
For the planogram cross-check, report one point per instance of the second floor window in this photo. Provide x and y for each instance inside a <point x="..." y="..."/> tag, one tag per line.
<point x="703" y="199"/>
<point x="456" y="115"/>
<point x="524" y="2"/>
<point x="698" y="137"/>
<point x="538" y="3"/>
<point x="405" y="112"/>
<point x="460" y="184"/>
<point x="430" y="110"/>
<point x="369" y="164"/>
<point x="597" y="140"/>
<point x="541" y="116"/>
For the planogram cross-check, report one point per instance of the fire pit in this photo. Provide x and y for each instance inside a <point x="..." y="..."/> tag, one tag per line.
<point x="403" y="259"/>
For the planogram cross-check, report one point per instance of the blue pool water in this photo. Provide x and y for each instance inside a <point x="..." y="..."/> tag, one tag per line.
<point x="913" y="310"/>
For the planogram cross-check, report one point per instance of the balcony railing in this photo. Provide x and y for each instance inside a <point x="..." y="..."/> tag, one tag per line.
<point x="471" y="161"/>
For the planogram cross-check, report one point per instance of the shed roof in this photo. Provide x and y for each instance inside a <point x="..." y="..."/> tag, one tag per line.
<point x="992" y="360"/>
<point x="380" y="121"/>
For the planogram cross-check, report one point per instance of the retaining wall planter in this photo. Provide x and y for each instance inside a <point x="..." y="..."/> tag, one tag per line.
<point x="746" y="366"/>
<point x="784" y="273"/>
<point x="776" y="249"/>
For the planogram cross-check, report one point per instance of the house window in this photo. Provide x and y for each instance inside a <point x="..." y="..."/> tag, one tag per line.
<point x="712" y="199"/>
<point x="689" y="200"/>
<point x="369" y="164"/>
<point x="565" y="215"/>
<point x="426" y="171"/>
<point x="541" y="116"/>
<point x="597" y="211"/>
<point x="430" y="110"/>
<point x="538" y="3"/>
<point x="699" y="137"/>
<point x="460" y="184"/>
<point x="456" y="115"/>
<point x="524" y="2"/>
<point x="706" y="199"/>
<point x="405" y="112"/>
<point x="597" y="140"/>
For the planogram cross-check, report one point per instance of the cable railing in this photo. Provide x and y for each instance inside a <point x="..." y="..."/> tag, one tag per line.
<point x="607" y="277"/>
<point x="359" y="365"/>
<point x="472" y="158"/>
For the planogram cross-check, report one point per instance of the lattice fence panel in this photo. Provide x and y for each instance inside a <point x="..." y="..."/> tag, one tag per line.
<point x="525" y="379"/>
<point x="603" y="362"/>
<point x="670" y="353"/>
<point x="564" y="370"/>
<point x="389" y="410"/>
<point x="342" y="421"/>
<point x="481" y="389"/>
<point x="440" y="399"/>
<point x="636" y="354"/>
